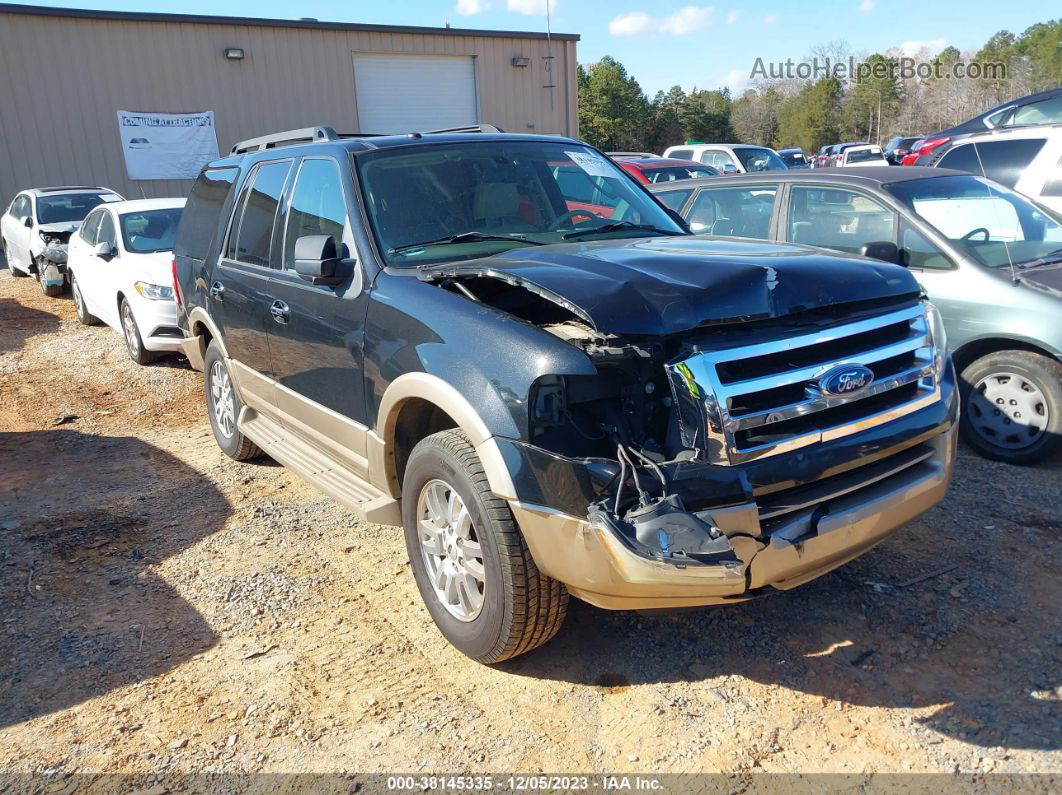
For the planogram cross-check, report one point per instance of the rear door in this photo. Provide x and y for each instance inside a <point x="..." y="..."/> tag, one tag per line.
<point x="240" y="285"/>
<point x="317" y="330"/>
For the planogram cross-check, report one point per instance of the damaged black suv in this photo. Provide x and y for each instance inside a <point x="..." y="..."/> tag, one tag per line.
<point x="505" y="345"/>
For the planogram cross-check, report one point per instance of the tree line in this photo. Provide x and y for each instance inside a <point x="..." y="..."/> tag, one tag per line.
<point x="879" y="101"/>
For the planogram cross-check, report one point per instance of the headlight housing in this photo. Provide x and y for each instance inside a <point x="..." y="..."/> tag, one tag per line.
<point x="938" y="335"/>
<point x="154" y="292"/>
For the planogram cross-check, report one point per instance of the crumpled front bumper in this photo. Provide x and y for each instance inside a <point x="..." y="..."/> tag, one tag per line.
<point x="598" y="567"/>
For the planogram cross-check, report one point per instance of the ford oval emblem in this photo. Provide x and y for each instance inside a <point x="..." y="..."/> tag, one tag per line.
<point x="845" y="380"/>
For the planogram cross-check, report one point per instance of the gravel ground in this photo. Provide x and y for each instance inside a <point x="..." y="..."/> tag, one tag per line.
<point x="167" y="610"/>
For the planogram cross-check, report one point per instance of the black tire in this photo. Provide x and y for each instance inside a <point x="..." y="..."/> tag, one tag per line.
<point x="84" y="317"/>
<point x="521" y="608"/>
<point x="134" y="343"/>
<point x="980" y="425"/>
<point x="234" y="444"/>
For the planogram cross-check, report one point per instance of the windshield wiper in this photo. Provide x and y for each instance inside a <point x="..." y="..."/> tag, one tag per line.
<point x="1054" y="258"/>
<point x="615" y="226"/>
<point x="464" y="237"/>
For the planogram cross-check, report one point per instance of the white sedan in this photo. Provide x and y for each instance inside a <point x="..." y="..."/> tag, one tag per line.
<point x="121" y="273"/>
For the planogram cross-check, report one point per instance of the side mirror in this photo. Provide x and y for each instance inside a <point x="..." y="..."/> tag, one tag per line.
<point x="28" y="222"/>
<point x="884" y="250"/>
<point x="317" y="260"/>
<point x="729" y="168"/>
<point x="103" y="250"/>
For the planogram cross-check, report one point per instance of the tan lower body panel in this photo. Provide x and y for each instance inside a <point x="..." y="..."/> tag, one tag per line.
<point x="600" y="569"/>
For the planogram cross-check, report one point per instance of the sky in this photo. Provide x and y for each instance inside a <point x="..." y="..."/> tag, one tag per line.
<point x="666" y="42"/>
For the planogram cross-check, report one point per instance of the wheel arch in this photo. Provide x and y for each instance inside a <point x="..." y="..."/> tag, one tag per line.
<point x="973" y="350"/>
<point x="202" y="328"/>
<point x="414" y="406"/>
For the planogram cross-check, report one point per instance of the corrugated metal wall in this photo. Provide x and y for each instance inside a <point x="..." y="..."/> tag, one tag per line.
<point x="62" y="79"/>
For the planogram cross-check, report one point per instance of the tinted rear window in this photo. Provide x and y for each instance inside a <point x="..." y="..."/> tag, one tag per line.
<point x="1003" y="161"/>
<point x="202" y="214"/>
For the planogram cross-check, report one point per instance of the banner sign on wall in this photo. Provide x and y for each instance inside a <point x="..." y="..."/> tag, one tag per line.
<point x="167" y="145"/>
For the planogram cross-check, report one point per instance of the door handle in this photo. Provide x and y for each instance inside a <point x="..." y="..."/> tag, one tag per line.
<point x="280" y="312"/>
<point x="217" y="291"/>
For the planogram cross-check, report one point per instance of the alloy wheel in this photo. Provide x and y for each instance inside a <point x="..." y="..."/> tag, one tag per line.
<point x="451" y="550"/>
<point x="129" y="326"/>
<point x="1008" y="410"/>
<point x="223" y="402"/>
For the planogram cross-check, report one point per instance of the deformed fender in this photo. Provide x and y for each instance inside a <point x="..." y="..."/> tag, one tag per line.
<point x="425" y="386"/>
<point x="194" y="346"/>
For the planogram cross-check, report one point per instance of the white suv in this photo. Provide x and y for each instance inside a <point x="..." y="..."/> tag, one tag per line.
<point x="730" y="158"/>
<point x="1027" y="160"/>
<point x="43" y="217"/>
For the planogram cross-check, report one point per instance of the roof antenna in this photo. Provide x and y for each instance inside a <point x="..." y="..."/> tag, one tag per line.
<point x="549" y="59"/>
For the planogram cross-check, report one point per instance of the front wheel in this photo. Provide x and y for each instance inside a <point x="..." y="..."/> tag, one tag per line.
<point x="1012" y="406"/>
<point x="472" y="567"/>
<point x="134" y="343"/>
<point x="223" y="407"/>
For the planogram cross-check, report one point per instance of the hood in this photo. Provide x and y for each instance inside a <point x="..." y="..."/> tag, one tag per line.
<point x="156" y="267"/>
<point x="65" y="226"/>
<point x="1046" y="279"/>
<point x="659" y="286"/>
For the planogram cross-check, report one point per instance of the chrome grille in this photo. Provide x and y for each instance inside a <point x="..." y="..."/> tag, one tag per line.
<point x="744" y="403"/>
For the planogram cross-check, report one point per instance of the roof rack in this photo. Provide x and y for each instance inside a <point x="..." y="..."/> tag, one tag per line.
<point x="483" y="128"/>
<point x="319" y="132"/>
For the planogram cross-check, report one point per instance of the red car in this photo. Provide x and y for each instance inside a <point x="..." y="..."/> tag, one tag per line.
<point x="654" y="170"/>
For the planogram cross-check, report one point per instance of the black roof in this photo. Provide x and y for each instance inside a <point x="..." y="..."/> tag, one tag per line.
<point x="975" y="124"/>
<point x="150" y="16"/>
<point x="870" y="175"/>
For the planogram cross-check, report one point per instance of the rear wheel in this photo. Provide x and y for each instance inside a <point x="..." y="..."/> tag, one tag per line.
<point x="134" y="343"/>
<point x="1012" y="406"/>
<point x="223" y="407"/>
<point x="84" y="317"/>
<point x="11" y="263"/>
<point x="472" y="567"/>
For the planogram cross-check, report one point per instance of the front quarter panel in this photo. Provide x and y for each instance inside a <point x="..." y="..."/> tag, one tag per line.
<point x="489" y="357"/>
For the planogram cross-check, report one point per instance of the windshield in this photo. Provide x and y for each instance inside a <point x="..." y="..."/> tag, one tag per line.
<point x="499" y="195"/>
<point x="670" y="174"/>
<point x="150" y="230"/>
<point x="755" y="159"/>
<point x="66" y="207"/>
<point x="864" y="155"/>
<point x="996" y="226"/>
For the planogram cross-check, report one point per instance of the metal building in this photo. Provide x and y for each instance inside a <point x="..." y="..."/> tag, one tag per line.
<point x="66" y="73"/>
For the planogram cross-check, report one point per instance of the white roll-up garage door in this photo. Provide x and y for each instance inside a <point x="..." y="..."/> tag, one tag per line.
<point x="408" y="93"/>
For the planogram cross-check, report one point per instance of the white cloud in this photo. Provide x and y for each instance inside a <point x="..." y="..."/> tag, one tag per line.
<point x="689" y="19"/>
<point x="867" y="5"/>
<point x="467" y="8"/>
<point x="732" y="17"/>
<point x="736" y="80"/>
<point x="530" y="7"/>
<point x="631" y="24"/>
<point x="770" y="19"/>
<point x="932" y="46"/>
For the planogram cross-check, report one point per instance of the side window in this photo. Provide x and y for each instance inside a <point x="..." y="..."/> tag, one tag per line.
<point x="961" y="158"/>
<point x="740" y="212"/>
<point x="202" y="213"/>
<point x="20" y="209"/>
<point x="90" y="227"/>
<point x="251" y="234"/>
<point x="1006" y="161"/>
<point x="107" y="232"/>
<point x="1047" y="111"/>
<point x="674" y="199"/>
<point x="917" y="251"/>
<point x="682" y="154"/>
<point x="317" y="206"/>
<point x="840" y="219"/>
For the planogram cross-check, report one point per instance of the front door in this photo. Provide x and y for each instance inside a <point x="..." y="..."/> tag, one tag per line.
<point x="316" y="341"/>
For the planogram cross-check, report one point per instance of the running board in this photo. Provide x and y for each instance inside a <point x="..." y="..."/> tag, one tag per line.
<point x="320" y="470"/>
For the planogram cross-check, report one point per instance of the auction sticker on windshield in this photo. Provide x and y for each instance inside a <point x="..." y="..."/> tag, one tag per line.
<point x="592" y="164"/>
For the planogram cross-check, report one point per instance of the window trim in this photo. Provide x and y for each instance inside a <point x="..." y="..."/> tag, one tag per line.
<point x="289" y="197"/>
<point x="237" y="208"/>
